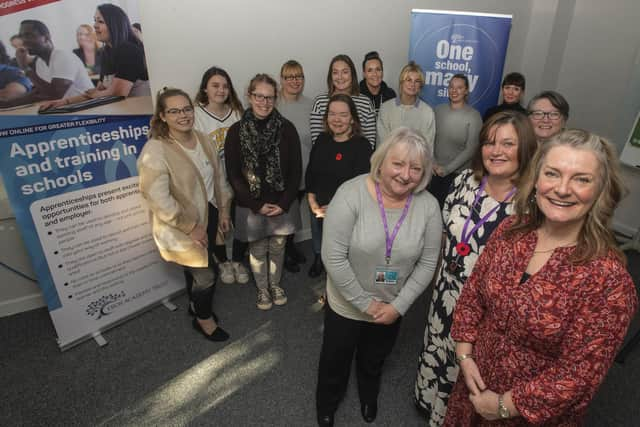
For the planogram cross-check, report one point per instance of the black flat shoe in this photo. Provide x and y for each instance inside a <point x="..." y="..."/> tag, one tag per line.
<point x="192" y="312"/>
<point x="325" y="420"/>
<point x="291" y="265"/>
<point x="369" y="412"/>
<point x="317" y="268"/>
<point x="218" y="334"/>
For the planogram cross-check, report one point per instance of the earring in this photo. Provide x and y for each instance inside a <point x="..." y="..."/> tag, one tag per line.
<point x="532" y="198"/>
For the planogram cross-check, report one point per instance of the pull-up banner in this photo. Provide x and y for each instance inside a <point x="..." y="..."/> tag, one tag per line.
<point x="445" y="43"/>
<point x="72" y="183"/>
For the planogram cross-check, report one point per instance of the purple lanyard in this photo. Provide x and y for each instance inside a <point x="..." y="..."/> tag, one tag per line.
<point x="463" y="247"/>
<point x="389" y="239"/>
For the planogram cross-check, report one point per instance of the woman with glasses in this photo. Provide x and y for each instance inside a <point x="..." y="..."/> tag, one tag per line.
<point x="342" y="78"/>
<point x="339" y="154"/>
<point x="262" y="154"/>
<point x="184" y="186"/>
<point x="458" y="126"/>
<point x="296" y="107"/>
<point x="217" y="108"/>
<point x="408" y="110"/>
<point x="372" y="85"/>
<point x="548" y="112"/>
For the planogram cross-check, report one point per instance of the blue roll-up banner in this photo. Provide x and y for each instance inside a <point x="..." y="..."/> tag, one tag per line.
<point x="72" y="183"/>
<point x="445" y="43"/>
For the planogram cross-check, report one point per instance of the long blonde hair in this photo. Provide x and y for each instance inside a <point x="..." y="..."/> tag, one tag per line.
<point x="595" y="238"/>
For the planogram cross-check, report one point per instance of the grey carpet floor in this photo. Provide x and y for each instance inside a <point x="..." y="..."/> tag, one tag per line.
<point x="157" y="371"/>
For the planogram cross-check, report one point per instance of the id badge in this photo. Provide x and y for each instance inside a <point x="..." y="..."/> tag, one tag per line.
<point x="386" y="276"/>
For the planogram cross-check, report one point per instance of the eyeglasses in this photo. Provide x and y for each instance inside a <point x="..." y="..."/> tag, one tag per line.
<point x="262" y="98"/>
<point x="293" y="77"/>
<point x="551" y="115"/>
<point x="176" y="111"/>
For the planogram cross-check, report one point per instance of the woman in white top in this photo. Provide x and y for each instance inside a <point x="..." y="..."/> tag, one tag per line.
<point x="217" y="108"/>
<point x="188" y="199"/>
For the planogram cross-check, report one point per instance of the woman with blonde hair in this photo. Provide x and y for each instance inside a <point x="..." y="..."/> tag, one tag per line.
<point x="380" y="247"/>
<point x="89" y="49"/>
<point x="296" y="107"/>
<point x="408" y="109"/>
<point x="549" y="301"/>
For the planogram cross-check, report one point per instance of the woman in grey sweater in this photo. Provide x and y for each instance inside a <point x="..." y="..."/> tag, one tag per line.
<point x="381" y="241"/>
<point x="457" y="129"/>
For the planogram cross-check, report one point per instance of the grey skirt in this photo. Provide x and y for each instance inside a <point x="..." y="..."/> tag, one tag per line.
<point x="250" y="227"/>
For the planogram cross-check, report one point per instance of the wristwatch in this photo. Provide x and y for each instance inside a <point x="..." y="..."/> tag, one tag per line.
<point x="503" y="411"/>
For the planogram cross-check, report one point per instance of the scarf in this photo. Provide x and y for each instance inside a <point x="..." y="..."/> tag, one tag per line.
<point x="260" y="150"/>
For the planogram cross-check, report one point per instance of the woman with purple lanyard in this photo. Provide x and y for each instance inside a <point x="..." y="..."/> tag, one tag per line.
<point x="480" y="199"/>
<point x="380" y="246"/>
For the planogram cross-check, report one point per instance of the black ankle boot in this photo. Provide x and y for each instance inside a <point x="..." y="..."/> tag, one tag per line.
<point x="317" y="267"/>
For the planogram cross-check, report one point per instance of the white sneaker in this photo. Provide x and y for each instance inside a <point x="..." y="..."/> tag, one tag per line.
<point x="277" y="295"/>
<point x="226" y="273"/>
<point x="264" y="300"/>
<point x="240" y="272"/>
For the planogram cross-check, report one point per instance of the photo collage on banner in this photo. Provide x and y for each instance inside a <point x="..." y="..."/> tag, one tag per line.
<point x="68" y="149"/>
<point x="445" y="43"/>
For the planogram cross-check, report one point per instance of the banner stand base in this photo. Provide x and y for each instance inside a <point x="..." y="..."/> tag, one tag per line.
<point x="170" y="306"/>
<point x="99" y="339"/>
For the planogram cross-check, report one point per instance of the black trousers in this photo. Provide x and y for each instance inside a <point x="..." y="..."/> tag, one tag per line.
<point x="202" y="297"/>
<point x="439" y="186"/>
<point x="343" y="337"/>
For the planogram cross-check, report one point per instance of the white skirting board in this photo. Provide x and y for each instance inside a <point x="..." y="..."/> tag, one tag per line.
<point x="31" y="298"/>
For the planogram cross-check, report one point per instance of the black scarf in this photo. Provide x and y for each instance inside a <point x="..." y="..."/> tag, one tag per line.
<point x="260" y="149"/>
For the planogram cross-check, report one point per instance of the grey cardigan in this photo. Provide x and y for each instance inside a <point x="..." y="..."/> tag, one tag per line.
<point x="353" y="245"/>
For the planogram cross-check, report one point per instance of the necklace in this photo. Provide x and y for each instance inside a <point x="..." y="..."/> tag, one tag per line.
<point x="553" y="249"/>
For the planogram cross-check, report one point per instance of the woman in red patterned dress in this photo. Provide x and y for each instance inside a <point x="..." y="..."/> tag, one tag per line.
<point x="549" y="301"/>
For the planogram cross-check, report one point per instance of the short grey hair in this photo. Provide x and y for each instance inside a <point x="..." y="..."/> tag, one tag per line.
<point x="418" y="148"/>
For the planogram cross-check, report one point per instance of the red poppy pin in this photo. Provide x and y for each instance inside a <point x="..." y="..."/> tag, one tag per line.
<point x="339" y="156"/>
<point x="463" y="249"/>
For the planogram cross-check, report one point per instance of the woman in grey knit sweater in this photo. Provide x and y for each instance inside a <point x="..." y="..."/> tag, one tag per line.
<point x="380" y="246"/>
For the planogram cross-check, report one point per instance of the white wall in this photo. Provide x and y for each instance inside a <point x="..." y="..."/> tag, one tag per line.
<point x="586" y="49"/>
<point x="247" y="36"/>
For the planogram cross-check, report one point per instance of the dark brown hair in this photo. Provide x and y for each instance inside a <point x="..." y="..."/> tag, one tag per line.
<point x="232" y="100"/>
<point x="527" y="143"/>
<point x="355" y="87"/>
<point x="356" y="128"/>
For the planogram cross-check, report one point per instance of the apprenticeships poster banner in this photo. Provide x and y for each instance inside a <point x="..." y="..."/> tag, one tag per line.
<point x="72" y="183"/>
<point x="445" y="43"/>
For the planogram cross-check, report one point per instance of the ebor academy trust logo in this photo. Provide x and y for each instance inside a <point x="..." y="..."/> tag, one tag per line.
<point x="106" y="305"/>
<point x="452" y="49"/>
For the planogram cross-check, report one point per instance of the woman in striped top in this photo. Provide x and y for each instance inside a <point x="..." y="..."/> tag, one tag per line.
<point x="342" y="78"/>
